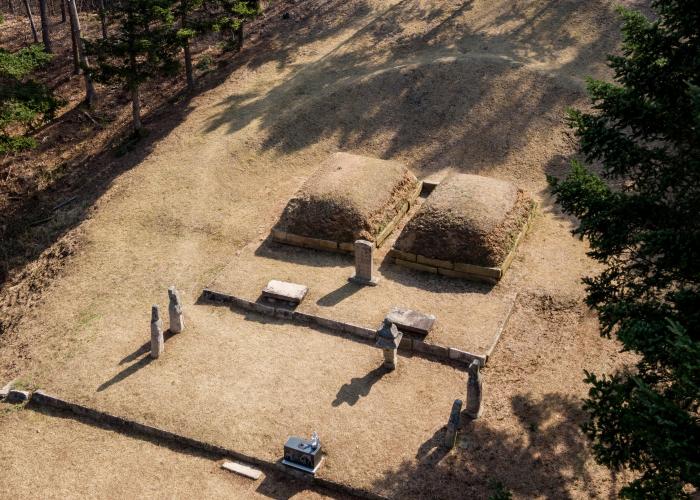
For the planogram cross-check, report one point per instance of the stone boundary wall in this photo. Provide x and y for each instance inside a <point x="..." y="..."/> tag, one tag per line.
<point x="461" y="269"/>
<point x="346" y="247"/>
<point x="43" y="399"/>
<point x="360" y="333"/>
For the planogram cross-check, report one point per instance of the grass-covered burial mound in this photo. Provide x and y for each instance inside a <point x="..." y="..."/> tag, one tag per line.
<point x="349" y="197"/>
<point x="468" y="225"/>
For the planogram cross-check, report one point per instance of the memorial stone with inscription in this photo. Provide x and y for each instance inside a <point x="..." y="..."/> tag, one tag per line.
<point x="364" y="264"/>
<point x="303" y="454"/>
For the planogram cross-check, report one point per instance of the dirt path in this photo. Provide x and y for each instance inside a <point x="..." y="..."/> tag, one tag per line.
<point x="477" y="87"/>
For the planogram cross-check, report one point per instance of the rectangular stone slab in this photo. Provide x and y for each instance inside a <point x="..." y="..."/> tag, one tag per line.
<point x="411" y="321"/>
<point x="281" y="290"/>
<point x="241" y="469"/>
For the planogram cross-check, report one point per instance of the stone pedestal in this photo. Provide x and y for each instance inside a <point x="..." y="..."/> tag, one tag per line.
<point x="364" y="264"/>
<point x="157" y="340"/>
<point x="388" y="340"/>
<point x="474" y="390"/>
<point x="390" y="358"/>
<point x="177" y="321"/>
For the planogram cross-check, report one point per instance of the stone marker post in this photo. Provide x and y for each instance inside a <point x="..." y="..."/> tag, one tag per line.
<point x="453" y="424"/>
<point x="364" y="264"/>
<point x="474" y="390"/>
<point x="177" y="321"/>
<point x="388" y="339"/>
<point x="157" y="340"/>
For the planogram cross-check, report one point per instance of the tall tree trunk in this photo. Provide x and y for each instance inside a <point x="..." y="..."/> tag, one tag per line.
<point x="134" y="89"/>
<point x="103" y="19"/>
<point x="45" y="30"/>
<point x="12" y="7"/>
<point x="75" y="35"/>
<point x="63" y="10"/>
<point x="239" y="36"/>
<point x="31" y="21"/>
<point x="82" y="59"/>
<point x="136" y="108"/>
<point x="188" y="67"/>
<point x="188" y="55"/>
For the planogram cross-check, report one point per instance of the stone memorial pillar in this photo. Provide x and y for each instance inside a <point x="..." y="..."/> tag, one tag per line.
<point x="157" y="340"/>
<point x="388" y="339"/>
<point x="364" y="264"/>
<point x="453" y="424"/>
<point x="474" y="390"/>
<point x="177" y="321"/>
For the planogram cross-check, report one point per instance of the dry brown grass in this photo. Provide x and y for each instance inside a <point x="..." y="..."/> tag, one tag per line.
<point x="472" y="87"/>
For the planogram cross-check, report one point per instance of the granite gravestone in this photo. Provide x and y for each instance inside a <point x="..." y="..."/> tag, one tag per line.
<point x="157" y="340"/>
<point x="474" y="390"/>
<point x="303" y="454"/>
<point x="364" y="264"/>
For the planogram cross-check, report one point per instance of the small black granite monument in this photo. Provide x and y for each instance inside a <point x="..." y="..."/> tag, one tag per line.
<point x="303" y="454"/>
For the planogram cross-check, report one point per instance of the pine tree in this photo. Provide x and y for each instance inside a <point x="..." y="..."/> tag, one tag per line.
<point x="142" y="46"/>
<point x="642" y="218"/>
<point x="233" y="16"/>
<point x="190" y="26"/>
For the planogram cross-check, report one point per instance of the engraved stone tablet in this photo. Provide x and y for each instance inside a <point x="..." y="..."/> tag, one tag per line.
<point x="281" y="290"/>
<point x="364" y="264"/>
<point x="411" y="321"/>
<point x="303" y="454"/>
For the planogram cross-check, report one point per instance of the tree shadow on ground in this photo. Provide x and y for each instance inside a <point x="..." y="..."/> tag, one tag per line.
<point x="545" y="456"/>
<point x="34" y="224"/>
<point x="462" y="87"/>
<point x="359" y="387"/>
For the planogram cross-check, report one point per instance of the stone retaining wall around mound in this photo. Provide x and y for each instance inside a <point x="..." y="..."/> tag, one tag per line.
<point x="345" y="246"/>
<point x="461" y="269"/>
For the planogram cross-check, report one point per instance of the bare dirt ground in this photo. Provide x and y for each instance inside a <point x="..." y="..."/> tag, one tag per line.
<point x="475" y="87"/>
<point x="101" y="463"/>
<point x="470" y="316"/>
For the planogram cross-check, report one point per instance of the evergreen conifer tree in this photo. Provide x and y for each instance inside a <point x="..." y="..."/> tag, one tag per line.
<point x="642" y="218"/>
<point x="140" y="46"/>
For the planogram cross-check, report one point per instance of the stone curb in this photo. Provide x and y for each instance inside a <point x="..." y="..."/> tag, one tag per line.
<point x="359" y="333"/>
<point x="40" y="398"/>
<point x="298" y="240"/>
<point x="464" y="270"/>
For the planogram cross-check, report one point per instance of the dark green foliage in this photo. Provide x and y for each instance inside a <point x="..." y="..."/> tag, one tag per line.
<point x="499" y="491"/>
<point x="642" y="219"/>
<point x="142" y="45"/>
<point x="24" y="103"/>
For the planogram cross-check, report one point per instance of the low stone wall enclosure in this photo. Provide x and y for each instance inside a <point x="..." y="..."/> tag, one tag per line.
<point x="42" y="399"/>
<point x="360" y="333"/>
